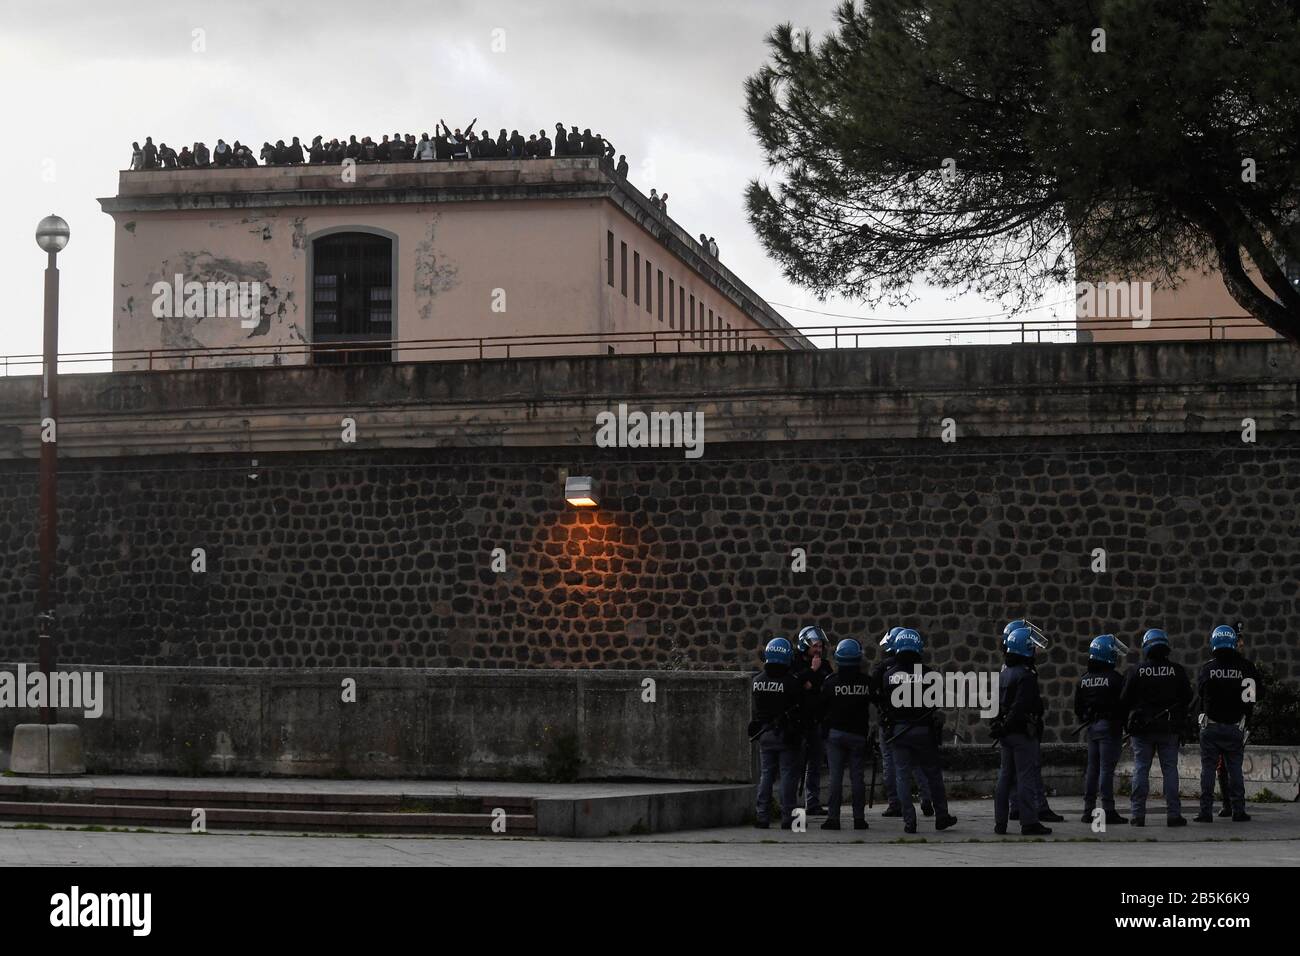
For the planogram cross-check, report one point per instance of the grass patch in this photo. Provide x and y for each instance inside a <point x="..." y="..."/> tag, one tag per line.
<point x="1267" y="796"/>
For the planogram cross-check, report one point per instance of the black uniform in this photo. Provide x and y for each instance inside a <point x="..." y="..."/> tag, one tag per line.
<point x="916" y="744"/>
<point x="1018" y="729"/>
<point x="1225" y="690"/>
<point x="846" y="698"/>
<point x="813" y="751"/>
<point x="1155" y="696"/>
<point x="1097" y="704"/>
<point x="776" y="696"/>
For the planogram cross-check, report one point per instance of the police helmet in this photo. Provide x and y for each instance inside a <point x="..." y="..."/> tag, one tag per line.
<point x="778" y="651"/>
<point x="809" y="636"/>
<point x="1223" y="636"/>
<point x="887" y="642"/>
<point x="907" y="640"/>
<point x="1154" y="637"/>
<point x="1106" y="648"/>
<point x="848" y="651"/>
<point x="1020" y="641"/>
<point x="1033" y="637"/>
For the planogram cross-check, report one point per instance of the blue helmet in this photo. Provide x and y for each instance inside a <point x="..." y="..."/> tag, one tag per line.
<point x="848" y="651"/>
<point x="1223" y="637"/>
<point x="1154" y="637"/>
<point x="907" y="640"/>
<point x="1022" y="637"/>
<point x="809" y="636"/>
<point x="778" y="651"/>
<point x="1107" y="648"/>
<point x="887" y="642"/>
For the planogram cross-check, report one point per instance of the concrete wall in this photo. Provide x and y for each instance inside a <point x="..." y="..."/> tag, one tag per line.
<point x="627" y="310"/>
<point x="466" y="724"/>
<point x="1264" y="767"/>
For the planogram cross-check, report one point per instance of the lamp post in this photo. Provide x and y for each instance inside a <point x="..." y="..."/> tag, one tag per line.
<point x="52" y="235"/>
<point x="48" y="748"/>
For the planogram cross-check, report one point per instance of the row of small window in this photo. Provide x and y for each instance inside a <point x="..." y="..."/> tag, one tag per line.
<point x="713" y="334"/>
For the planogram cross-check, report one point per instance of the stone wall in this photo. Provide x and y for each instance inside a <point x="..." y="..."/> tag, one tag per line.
<point x="379" y="553"/>
<point x="385" y="558"/>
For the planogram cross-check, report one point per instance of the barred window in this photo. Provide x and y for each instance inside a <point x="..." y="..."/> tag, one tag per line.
<point x="352" y="298"/>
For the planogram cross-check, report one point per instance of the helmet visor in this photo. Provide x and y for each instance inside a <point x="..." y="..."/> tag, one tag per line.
<point x="1036" y="635"/>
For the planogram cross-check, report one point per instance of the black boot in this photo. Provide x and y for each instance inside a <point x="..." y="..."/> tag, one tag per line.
<point x="1035" y="829"/>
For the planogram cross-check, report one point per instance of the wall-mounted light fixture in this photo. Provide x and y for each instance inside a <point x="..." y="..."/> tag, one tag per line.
<point x="580" y="491"/>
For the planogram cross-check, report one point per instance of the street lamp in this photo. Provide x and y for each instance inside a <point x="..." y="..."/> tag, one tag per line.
<point x="48" y="747"/>
<point x="52" y="235"/>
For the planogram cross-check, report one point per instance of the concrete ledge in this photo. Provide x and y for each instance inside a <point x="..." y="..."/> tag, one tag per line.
<point x="652" y="812"/>
<point x="1265" y="767"/>
<point x="995" y="391"/>
<point x="444" y="723"/>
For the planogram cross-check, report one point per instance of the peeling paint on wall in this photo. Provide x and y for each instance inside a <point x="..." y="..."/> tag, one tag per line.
<point x="433" y="274"/>
<point x="299" y="235"/>
<point x="182" y="331"/>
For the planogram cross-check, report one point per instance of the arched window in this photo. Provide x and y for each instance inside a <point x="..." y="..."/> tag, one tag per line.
<point x="352" y="298"/>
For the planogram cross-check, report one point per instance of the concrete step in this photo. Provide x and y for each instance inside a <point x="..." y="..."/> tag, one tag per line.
<point x="60" y="813"/>
<point x="18" y="791"/>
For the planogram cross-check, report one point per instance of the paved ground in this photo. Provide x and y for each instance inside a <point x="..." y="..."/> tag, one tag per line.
<point x="1272" y="839"/>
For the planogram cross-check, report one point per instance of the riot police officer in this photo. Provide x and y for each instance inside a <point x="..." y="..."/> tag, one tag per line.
<point x="887" y="768"/>
<point x="1225" y="690"/>
<point x="1097" y="708"/>
<point x="1045" y="812"/>
<point x="811" y="668"/>
<point x="916" y="731"/>
<point x="1018" y="730"/>
<point x="1155" y="696"/>
<point x="846" y="702"/>
<point x="775" y="724"/>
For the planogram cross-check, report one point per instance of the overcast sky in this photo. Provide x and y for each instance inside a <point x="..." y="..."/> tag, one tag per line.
<point x="662" y="79"/>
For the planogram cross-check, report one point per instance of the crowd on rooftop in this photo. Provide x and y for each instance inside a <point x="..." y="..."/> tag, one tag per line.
<point x="444" y="144"/>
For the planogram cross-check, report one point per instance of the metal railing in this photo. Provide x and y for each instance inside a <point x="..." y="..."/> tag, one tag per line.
<point x="843" y="336"/>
